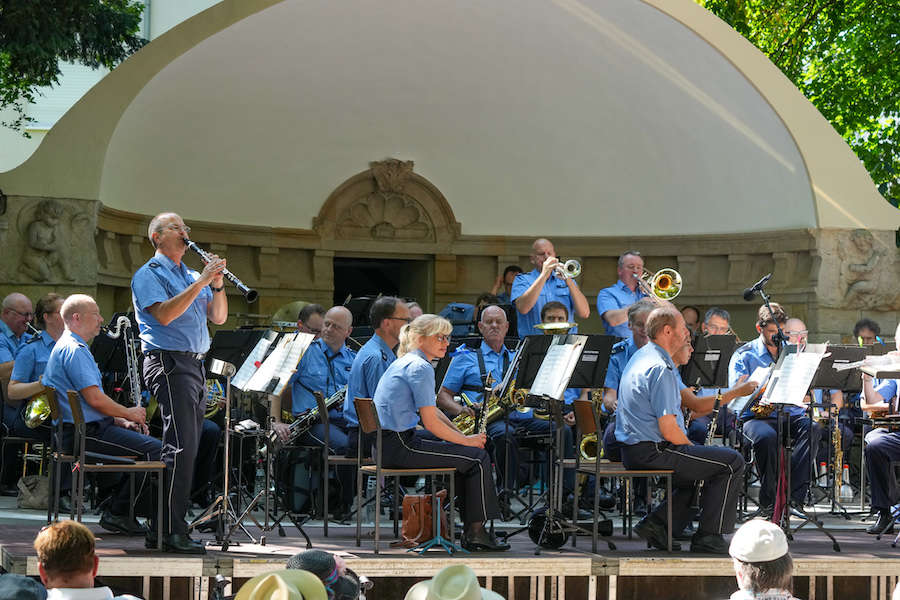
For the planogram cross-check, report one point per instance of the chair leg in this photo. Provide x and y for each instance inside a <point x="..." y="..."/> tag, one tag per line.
<point x="359" y="503"/>
<point x="394" y="501"/>
<point x="377" y="508"/>
<point x="668" y="511"/>
<point x="595" y="528"/>
<point x="325" y="494"/>
<point x="131" y="497"/>
<point x="452" y="515"/>
<point x="159" y="509"/>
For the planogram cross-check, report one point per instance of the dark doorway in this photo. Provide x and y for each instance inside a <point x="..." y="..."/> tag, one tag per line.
<point x="386" y="276"/>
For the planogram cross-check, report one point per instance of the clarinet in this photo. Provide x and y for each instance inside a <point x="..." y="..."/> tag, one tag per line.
<point x="710" y="436"/>
<point x="481" y="426"/>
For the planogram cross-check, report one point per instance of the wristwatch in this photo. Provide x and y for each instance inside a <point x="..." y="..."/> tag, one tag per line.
<point x="216" y="289"/>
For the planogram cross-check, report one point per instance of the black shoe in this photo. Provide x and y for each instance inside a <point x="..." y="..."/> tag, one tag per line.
<point x="482" y="541"/>
<point x="686" y="533"/>
<point x="639" y="507"/>
<point x="179" y="543"/>
<point x="655" y="533"/>
<point x="9" y="491"/>
<point x="121" y="524"/>
<point x="884" y="524"/>
<point x="607" y="501"/>
<point x="583" y="515"/>
<point x="65" y="504"/>
<point x="708" y="543"/>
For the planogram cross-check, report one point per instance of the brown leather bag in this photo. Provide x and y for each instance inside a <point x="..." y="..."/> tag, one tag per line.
<point x="418" y="525"/>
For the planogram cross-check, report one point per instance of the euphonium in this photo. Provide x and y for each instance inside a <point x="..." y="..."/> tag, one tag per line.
<point x="37" y="411"/>
<point x="665" y="284"/>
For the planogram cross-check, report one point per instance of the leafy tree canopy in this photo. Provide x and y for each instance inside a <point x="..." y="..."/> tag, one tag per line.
<point x="844" y="55"/>
<point x="36" y="34"/>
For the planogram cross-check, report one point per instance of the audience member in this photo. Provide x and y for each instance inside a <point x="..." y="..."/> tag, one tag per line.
<point x="21" y="587"/>
<point x="285" y="584"/>
<point x="340" y="582"/>
<point x="455" y="582"/>
<point x="68" y="564"/>
<point x="762" y="563"/>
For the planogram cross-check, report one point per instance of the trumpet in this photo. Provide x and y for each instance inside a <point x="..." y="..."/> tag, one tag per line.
<point x="569" y="269"/>
<point x="665" y="284"/>
<point x="250" y="294"/>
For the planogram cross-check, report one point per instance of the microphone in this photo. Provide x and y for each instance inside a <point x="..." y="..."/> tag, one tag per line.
<point x="756" y="287"/>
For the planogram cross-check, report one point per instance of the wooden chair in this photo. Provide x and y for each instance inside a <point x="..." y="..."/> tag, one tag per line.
<point x="329" y="459"/>
<point x="587" y="422"/>
<point x="369" y="423"/>
<point x="93" y="462"/>
<point x="57" y="458"/>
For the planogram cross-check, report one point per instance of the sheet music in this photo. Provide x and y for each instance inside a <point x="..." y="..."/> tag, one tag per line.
<point x="557" y="367"/>
<point x="759" y="375"/>
<point x="250" y="366"/>
<point x="792" y="378"/>
<point x="280" y="364"/>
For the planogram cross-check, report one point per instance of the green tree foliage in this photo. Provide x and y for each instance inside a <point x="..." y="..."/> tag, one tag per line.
<point x="36" y="34"/>
<point x="844" y="55"/>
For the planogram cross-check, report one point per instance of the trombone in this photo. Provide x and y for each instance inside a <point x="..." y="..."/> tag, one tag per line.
<point x="665" y="284"/>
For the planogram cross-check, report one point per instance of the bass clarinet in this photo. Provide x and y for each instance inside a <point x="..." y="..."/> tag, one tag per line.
<point x="304" y="422"/>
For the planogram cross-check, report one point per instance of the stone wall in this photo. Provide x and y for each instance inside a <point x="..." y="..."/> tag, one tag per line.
<point x="830" y="278"/>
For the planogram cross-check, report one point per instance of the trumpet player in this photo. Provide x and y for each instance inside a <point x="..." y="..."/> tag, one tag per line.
<point x="543" y="284"/>
<point x="324" y="367"/>
<point x="761" y="431"/>
<point x="172" y="304"/>
<point x="613" y="301"/>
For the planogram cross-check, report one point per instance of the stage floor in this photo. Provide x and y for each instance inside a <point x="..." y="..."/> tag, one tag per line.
<point x="869" y="566"/>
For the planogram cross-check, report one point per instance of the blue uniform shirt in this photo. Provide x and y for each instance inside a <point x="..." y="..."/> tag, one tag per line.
<point x="9" y="343"/>
<point x="369" y="365"/>
<point x="615" y="297"/>
<point x="71" y="366"/>
<point x="160" y="279"/>
<point x="649" y="389"/>
<point x="886" y="388"/>
<point x="319" y="370"/>
<point x="31" y="359"/>
<point x="464" y="372"/>
<point x="554" y="289"/>
<point x="406" y="386"/>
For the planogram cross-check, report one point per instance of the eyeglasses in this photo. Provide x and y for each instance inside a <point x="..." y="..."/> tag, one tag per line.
<point x="404" y="319"/>
<point x="27" y="315"/>
<point x="182" y="228"/>
<point x="442" y="338"/>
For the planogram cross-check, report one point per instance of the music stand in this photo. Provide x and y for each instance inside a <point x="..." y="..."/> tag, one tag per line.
<point x="708" y="365"/>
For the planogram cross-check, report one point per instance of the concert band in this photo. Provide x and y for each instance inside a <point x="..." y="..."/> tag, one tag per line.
<point x="651" y="418"/>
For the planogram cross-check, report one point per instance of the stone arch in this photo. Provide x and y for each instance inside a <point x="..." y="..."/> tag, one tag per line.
<point x="387" y="203"/>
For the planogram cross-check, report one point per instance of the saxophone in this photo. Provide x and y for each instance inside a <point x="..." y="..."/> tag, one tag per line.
<point x="837" y="455"/>
<point x="305" y="421"/>
<point x="491" y="409"/>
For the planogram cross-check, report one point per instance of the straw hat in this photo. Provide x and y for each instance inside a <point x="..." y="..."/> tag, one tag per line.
<point x="456" y="582"/>
<point x="286" y="584"/>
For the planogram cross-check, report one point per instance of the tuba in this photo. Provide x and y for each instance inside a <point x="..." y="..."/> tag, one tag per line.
<point x="665" y="284"/>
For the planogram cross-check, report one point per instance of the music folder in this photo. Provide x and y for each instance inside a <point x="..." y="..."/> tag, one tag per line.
<point x="277" y="369"/>
<point x="793" y="375"/>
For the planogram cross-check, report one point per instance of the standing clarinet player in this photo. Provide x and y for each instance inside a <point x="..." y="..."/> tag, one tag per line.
<point x="172" y="304"/>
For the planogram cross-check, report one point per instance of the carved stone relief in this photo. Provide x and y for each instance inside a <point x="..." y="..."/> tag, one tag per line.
<point x="385" y="216"/>
<point x="52" y="242"/>
<point x="859" y="270"/>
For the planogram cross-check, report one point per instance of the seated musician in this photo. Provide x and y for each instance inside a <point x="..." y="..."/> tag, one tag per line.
<point x="798" y="334"/>
<point x="387" y="315"/>
<point x="866" y="332"/>
<point x="31" y="360"/>
<point x="651" y="428"/>
<point x="543" y="284"/>
<point x="761" y="429"/>
<point x="503" y="286"/>
<point x="882" y="447"/>
<point x="310" y="318"/>
<point x="15" y="315"/>
<point x="324" y="367"/>
<point x="691" y="316"/>
<point x="716" y="321"/>
<point x="112" y="429"/>
<point x="613" y="301"/>
<point x="467" y="374"/>
<point x="404" y="395"/>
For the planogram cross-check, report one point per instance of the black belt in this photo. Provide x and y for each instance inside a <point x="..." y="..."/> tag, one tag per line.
<point x="658" y="445"/>
<point x="198" y="356"/>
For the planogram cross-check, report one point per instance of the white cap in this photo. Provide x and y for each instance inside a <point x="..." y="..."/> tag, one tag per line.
<point x="758" y="541"/>
<point x="456" y="582"/>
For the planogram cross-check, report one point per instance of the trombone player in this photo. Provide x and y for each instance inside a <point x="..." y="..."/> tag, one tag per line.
<point x="613" y="301"/>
